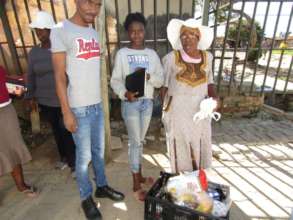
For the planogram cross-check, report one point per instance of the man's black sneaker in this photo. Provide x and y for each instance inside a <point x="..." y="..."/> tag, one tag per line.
<point x="108" y="192"/>
<point x="90" y="209"/>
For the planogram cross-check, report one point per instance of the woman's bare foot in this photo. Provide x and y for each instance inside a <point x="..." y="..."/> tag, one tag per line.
<point x="29" y="191"/>
<point x="138" y="192"/>
<point x="22" y="187"/>
<point x="139" y="195"/>
<point x="147" y="181"/>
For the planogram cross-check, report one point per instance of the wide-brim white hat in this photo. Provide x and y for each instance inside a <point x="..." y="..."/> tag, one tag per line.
<point x="173" y="33"/>
<point x="43" y="20"/>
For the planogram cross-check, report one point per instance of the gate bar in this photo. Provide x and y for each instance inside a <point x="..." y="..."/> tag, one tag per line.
<point x="117" y="23"/>
<point x="193" y="8"/>
<point x="3" y="57"/>
<point x="215" y="35"/>
<point x="129" y="6"/>
<point x="65" y="8"/>
<point x="180" y="9"/>
<point x="142" y="6"/>
<point x="30" y="20"/>
<point x="205" y="12"/>
<point x="288" y="77"/>
<point x="282" y="53"/>
<point x="108" y="45"/>
<point x="168" y="18"/>
<point x="39" y="5"/>
<point x="260" y="46"/>
<point x="10" y="41"/>
<point x="248" y="45"/>
<point x="270" y="52"/>
<point x="155" y="24"/>
<point x="233" y="68"/>
<point x="224" y="48"/>
<point x="53" y="10"/>
<point x="19" y="29"/>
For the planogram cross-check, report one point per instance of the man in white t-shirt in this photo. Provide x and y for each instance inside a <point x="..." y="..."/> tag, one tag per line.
<point x="76" y="59"/>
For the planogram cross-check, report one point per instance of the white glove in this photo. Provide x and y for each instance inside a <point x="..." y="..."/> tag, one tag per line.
<point x="206" y="110"/>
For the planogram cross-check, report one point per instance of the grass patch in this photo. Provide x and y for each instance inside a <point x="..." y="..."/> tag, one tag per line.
<point x="286" y="52"/>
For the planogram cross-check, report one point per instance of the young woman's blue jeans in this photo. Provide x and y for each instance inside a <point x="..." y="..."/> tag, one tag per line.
<point x="90" y="145"/>
<point x="137" y="116"/>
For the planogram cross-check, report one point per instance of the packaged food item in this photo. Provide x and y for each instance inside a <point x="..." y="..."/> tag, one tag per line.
<point x="161" y="204"/>
<point x="220" y="209"/>
<point x="205" y="203"/>
<point x="216" y="194"/>
<point x="186" y="190"/>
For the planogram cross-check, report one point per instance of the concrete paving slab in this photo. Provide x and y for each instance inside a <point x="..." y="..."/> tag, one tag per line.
<point x="116" y="143"/>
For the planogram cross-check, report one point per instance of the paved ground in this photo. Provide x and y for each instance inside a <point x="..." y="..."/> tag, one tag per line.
<point x="256" y="161"/>
<point x="254" y="158"/>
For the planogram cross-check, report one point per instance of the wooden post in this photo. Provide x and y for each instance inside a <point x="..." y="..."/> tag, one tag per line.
<point x="100" y="26"/>
<point x="35" y="120"/>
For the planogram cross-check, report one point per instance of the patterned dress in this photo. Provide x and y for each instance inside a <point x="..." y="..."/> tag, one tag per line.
<point x="188" y="142"/>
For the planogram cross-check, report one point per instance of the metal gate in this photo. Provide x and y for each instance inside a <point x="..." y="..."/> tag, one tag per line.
<point x="254" y="51"/>
<point x="16" y="39"/>
<point x="247" y="59"/>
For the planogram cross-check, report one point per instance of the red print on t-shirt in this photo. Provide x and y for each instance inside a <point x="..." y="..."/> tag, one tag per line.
<point x="87" y="48"/>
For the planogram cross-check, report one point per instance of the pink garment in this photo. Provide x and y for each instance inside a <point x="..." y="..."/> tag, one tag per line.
<point x="189" y="59"/>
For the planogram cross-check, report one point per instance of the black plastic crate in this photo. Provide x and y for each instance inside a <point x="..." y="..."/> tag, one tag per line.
<point x="158" y="207"/>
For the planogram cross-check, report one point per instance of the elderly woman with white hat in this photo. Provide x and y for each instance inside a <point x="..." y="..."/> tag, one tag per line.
<point x="41" y="88"/>
<point x="188" y="81"/>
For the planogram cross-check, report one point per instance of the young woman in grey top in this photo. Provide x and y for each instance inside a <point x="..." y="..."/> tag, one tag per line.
<point x="136" y="111"/>
<point x="41" y="88"/>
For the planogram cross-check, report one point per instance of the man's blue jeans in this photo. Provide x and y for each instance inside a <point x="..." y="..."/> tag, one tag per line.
<point x="90" y="145"/>
<point x="137" y="116"/>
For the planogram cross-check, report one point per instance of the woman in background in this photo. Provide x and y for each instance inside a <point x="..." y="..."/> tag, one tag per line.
<point x="41" y="88"/>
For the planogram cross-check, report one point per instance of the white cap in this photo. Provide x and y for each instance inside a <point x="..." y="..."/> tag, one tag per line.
<point x="43" y="20"/>
<point x="173" y="33"/>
